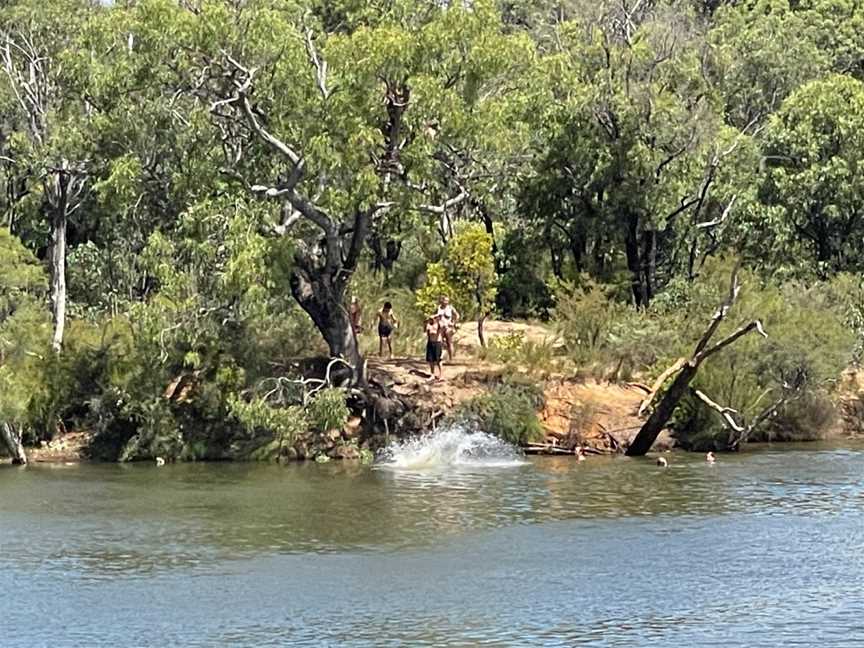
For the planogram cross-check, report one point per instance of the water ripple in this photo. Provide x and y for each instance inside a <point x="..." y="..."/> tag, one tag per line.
<point x="762" y="549"/>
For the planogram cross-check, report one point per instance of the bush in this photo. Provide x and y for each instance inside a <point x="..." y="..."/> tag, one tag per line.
<point x="808" y="345"/>
<point x="466" y="274"/>
<point x="327" y="410"/>
<point x="514" y="350"/>
<point x="601" y="331"/>
<point x="25" y="330"/>
<point x="846" y="291"/>
<point x="508" y="411"/>
<point x="506" y="348"/>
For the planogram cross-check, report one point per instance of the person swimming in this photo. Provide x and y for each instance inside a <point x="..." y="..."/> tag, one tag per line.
<point x="710" y="458"/>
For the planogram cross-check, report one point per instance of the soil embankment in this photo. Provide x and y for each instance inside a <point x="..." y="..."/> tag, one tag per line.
<point x="65" y="448"/>
<point x="597" y="415"/>
<point x="402" y="400"/>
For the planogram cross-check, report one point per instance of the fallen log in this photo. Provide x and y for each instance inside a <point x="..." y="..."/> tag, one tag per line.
<point x="547" y="448"/>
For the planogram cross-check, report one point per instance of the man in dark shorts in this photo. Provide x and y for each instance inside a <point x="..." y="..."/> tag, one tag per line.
<point x="434" y="337"/>
<point x="387" y="322"/>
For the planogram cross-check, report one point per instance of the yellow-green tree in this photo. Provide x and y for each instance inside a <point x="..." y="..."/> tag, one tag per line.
<point x="24" y="330"/>
<point x="466" y="275"/>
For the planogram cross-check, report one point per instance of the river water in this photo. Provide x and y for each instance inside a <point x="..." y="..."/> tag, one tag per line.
<point x="765" y="548"/>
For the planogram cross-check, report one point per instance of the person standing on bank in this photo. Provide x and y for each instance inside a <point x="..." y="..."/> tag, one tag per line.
<point x="434" y="335"/>
<point x="387" y="323"/>
<point x="449" y="320"/>
<point x="355" y="314"/>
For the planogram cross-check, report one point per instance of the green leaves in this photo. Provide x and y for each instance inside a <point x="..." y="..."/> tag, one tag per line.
<point x="21" y="271"/>
<point x="466" y="275"/>
<point x="24" y="327"/>
<point x="813" y="151"/>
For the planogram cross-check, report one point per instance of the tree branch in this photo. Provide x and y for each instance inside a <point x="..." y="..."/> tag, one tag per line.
<point x="447" y="204"/>
<point x="741" y="332"/>
<point x="319" y="64"/>
<point x="727" y="413"/>
<point x="658" y="384"/>
<point x="721" y="219"/>
<point x="720" y="315"/>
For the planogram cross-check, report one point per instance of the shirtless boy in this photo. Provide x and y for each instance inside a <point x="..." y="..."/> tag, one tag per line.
<point x="434" y="337"/>
<point x="387" y="322"/>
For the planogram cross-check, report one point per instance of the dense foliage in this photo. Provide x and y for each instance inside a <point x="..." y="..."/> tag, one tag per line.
<point x="508" y="410"/>
<point x="192" y="191"/>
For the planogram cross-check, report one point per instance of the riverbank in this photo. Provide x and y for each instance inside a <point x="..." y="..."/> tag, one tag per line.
<point x="577" y="410"/>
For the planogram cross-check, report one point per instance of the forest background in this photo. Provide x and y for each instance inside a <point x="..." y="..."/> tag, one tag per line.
<point x="193" y="189"/>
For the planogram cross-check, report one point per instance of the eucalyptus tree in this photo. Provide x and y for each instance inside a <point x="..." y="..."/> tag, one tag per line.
<point x="812" y="193"/>
<point x="765" y="49"/>
<point x="636" y="139"/>
<point x="349" y="129"/>
<point x="45" y="148"/>
<point x="154" y="156"/>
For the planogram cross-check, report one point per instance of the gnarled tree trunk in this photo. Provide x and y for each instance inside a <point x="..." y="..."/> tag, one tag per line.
<point x="322" y="297"/>
<point x="12" y="440"/>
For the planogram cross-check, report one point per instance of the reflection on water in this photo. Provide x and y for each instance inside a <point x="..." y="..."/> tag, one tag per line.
<point x="761" y="549"/>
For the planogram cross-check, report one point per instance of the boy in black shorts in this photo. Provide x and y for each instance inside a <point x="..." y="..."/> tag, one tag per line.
<point x="434" y="337"/>
<point x="387" y="322"/>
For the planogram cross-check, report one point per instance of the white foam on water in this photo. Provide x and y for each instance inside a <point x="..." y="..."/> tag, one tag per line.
<point x="451" y="446"/>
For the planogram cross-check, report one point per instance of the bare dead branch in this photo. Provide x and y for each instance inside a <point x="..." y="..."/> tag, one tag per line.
<point x="718" y="221"/>
<point x="755" y="325"/>
<point x="720" y="315"/>
<point x="318" y="63"/>
<point x="727" y="413"/>
<point x="447" y="204"/>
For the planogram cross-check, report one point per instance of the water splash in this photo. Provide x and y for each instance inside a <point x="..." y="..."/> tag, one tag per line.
<point x="451" y="446"/>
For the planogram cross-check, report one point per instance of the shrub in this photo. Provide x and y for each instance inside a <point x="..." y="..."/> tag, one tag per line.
<point x="25" y="330"/>
<point x="509" y="411"/>
<point x="258" y="415"/>
<point x="506" y="348"/>
<point x="846" y="291"/>
<point x="516" y="351"/>
<point x="808" y="345"/>
<point x="466" y="274"/>
<point x="584" y="315"/>
<point x="327" y="410"/>
<point x="597" y="329"/>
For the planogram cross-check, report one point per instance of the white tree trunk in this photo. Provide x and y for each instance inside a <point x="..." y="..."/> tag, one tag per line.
<point x="58" y="277"/>
<point x="12" y="440"/>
